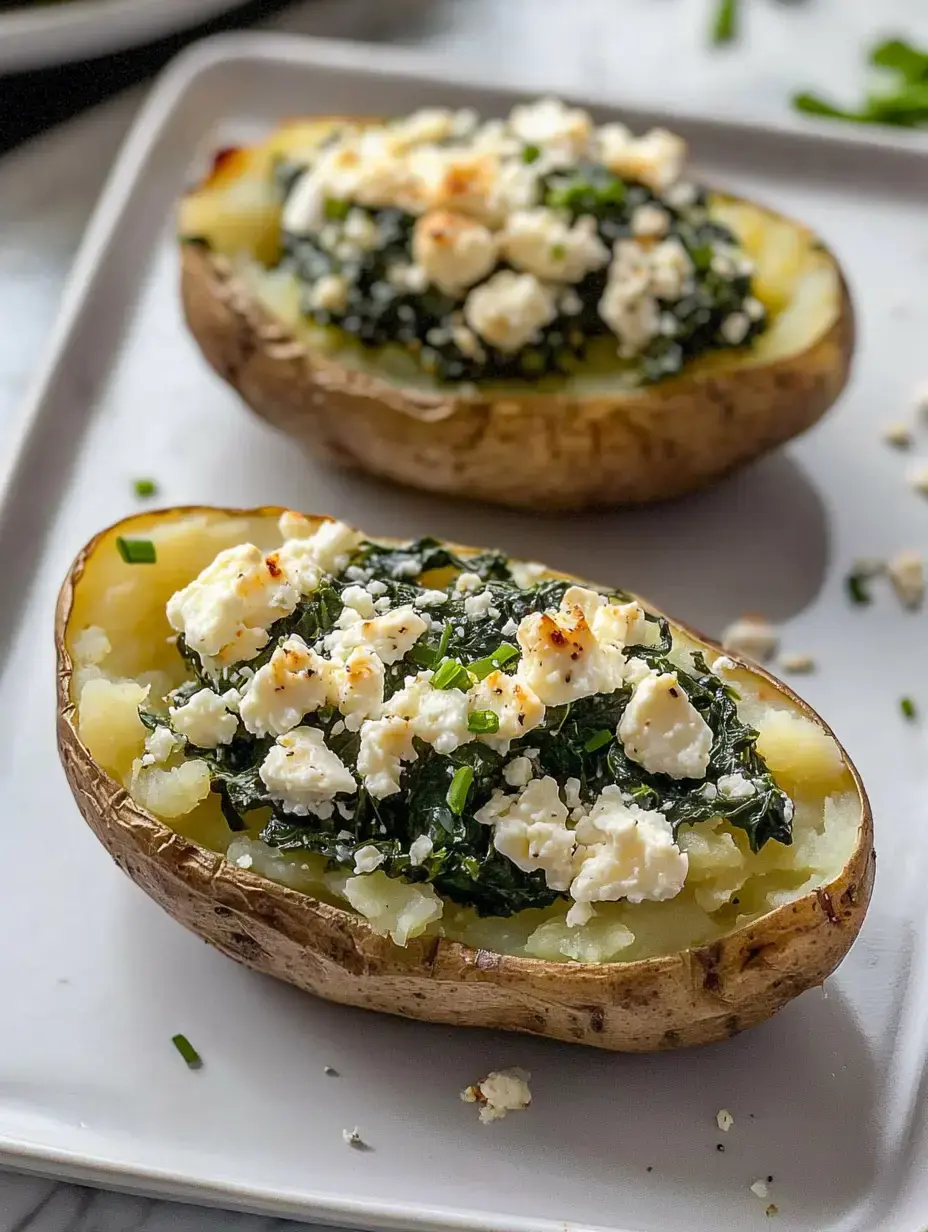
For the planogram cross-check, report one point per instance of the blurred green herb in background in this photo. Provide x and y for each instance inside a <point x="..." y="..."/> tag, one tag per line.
<point x="902" y="100"/>
<point x="725" y="21"/>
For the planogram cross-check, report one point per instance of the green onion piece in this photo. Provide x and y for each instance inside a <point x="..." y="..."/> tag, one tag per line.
<point x="335" y="210"/>
<point x="531" y="153"/>
<point x="187" y="1051"/>
<point x="443" y="644"/>
<point x="558" y="252"/>
<point x="725" y="22"/>
<point x="136" y="551"/>
<point x="856" y="588"/>
<point x="598" y="740"/>
<point x="423" y="655"/>
<point x="145" y="487"/>
<point x="483" y="722"/>
<point x="460" y="786"/>
<point x="907" y="706"/>
<point x="499" y="658"/>
<point x="451" y="675"/>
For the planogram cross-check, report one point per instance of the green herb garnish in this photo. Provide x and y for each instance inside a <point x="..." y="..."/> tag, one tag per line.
<point x="459" y="789"/>
<point x="145" y="487"/>
<point x="504" y="654"/>
<point x="451" y="675"/>
<point x="187" y="1051"/>
<point x="136" y="551"/>
<point x="856" y="584"/>
<point x="483" y="722"/>
<point x="531" y="153"/>
<point x="901" y="98"/>
<point x="598" y="740"/>
<point x="725" y="22"/>
<point x="907" y="706"/>
<point x="336" y="210"/>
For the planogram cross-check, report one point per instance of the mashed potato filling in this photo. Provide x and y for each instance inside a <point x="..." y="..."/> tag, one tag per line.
<point x="126" y="660"/>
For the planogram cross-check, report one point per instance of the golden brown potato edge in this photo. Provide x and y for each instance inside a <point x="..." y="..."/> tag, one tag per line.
<point x="693" y="997"/>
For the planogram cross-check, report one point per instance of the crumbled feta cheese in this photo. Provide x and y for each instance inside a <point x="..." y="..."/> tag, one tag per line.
<point x="225" y="612"/>
<point x="328" y="294"/>
<point x="359" y="599"/>
<point x="161" y="743"/>
<point x="453" y="250"/>
<point x="91" y="646"/>
<point x="509" y="629"/>
<point x="637" y="278"/>
<point x="303" y="775"/>
<point x="375" y="587"/>
<point x="752" y="637"/>
<point x="549" y="122"/>
<point x="572" y="793"/>
<point x="662" y="731"/>
<point x="543" y="243"/>
<point x="476" y="607"/>
<point x="579" y="914"/>
<point x="907" y="574"/>
<point x="899" y="435"/>
<point x="735" y="787"/>
<point x="437" y="716"/>
<point x="500" y="1093"/>
<point x="562" y="660"/>
<point x="509" y="309"/>
<point x="383" y="605"/>
<point x="518" y="772"/>
<point x="735" y="327"/>
<point x="650" y="221"/>
<point x="516" y="705"/>
<point x="799" y="663"/>
<point x="205" y="720"/>
<point x="430" y="598"/>
<point x="626" y="852"/>
<point x="656" y="159"/>
<point x="420" y="849"/>
<point x="356" y="687"/>
<point x="530" y="829"/>
<point x="724" y="1120"/>
<point x="760" y="1189"/>
<point x="353" y="1137"/>
<point x="333" y="544"/>
<point x="385" y="745"/>
<point x="367" y="858"/>
<point x="295" y="681"/>
<point x="467" y="583"/>
<point x="390" y="636"/>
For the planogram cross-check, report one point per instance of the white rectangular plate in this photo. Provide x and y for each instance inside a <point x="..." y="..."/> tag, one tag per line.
<point x="96" y="979"/>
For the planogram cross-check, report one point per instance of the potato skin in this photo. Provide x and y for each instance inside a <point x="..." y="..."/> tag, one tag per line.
<point x="537" y="451"/>
<point x="693" y="997"/>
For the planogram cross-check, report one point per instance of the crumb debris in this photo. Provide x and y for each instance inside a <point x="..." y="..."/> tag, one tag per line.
<point x="501" y="1092"/>
<point x="771" y="1210"/>
<point x="898" y="435"/>
<point x="760" y="1189"/>
<point x="908" y="708"/>
<point x="862" y="572"/>
<point x="724" y="1120"/>
<point x="353" y="1138"/>
<point x="751" y="636"/>
<point x="801" y="664"/>
<point x="907" y="573"/>
<point x="918" y="478"/>
<point x="331" y="1071"/>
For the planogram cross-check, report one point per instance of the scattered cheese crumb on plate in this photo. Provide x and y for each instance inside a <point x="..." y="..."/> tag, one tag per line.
<point x="501" y="1092"/>
<point x="898" y="435"/>
<point x="800" y="663"/>
<point x="724" y="1120"/>
<point x="752" y="636"/>
<point x="760" y="1189"/>
<point x="907" y="573"/>
<point x="353" y="1137"/>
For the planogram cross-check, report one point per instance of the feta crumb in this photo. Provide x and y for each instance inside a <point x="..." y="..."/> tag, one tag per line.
<point x="205" y="720"/>
<point x="650" y="220"/>
<point x="468" y="583"/>
<point x="430" y="598"/>
<point x="476" y="607"/>
<point x="801" y="664"/>
<point x="752" y="637"/>
<point x="420" y="849"/>
<point x="359" y="599"/>
<point x="580" y="914"/>
<point x="543" y="243"/>
<point x="161" y="743"/>
<point x="509" y="629"/>
<point x="530" y="829"/>
<point x="329" y="294"/>
<point x="367" y="858"/>
<point x="501" y="1092"/>
<point x="724" y="1120"/>
<point x="760" y="1189"/>
<point x="517" y="707"/>
<point x="294" y="682"/>
<point x="453" y="250"/>
<point x="353" y="1137"/>
<point x="509" y="309"/>
<point x="518" y="772"/>
<point x="907" y="574"/>
<point x="735" y="787"/>
<point x="303" y="775"/>
<point x="626" y="852"/>
<point x="735" y="328"/>
<point x="663" y="731"/>
<point x="390" y="636"/>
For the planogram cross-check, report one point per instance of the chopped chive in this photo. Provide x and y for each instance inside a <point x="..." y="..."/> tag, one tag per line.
<point x="335" y="210"/>
<point x="483" y="722"/>
<point x="558" y="252"/>
<point x="443" y="644"/>
<point x="136" y="551"/>
<point x="187" y="1051"/>
<point x="451" y="675"/>
<point x="907" y="706"/>
<point x="460" y="786"/>
<point x="856" y="588"/>
<point x="598" y="740"/>
<point x="499" y="658"/>
<point x="145" y="487"/>
<point x="725" y="22"/>
<point x="423" y="655"/>
<point x="531" y="153"/>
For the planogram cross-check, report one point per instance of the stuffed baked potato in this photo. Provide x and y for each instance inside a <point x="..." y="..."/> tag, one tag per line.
<point x="538" y="312"/>
<point x="436" y="782"/>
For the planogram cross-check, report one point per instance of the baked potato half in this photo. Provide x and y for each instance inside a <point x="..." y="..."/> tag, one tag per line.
<point x="664" y="880"/>
<point x="583" y="329"/>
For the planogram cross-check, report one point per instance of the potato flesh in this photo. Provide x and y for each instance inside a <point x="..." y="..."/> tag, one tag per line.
<point x="727" y="885"/>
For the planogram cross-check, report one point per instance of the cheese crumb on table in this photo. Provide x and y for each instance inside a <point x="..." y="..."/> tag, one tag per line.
<point x="501" y="1092"/>
<point x="724" y="1120"/>
<point x="907" y="573"/>
<point x="799" y="663"/>
<point x="751" y="636"/>
<point x="760" y="1189"/>
<point x="353" y="1137"/>
<point x="898" y="435"/>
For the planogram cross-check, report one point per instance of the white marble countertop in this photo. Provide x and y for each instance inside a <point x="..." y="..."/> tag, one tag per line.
<point x="652" y="51"/>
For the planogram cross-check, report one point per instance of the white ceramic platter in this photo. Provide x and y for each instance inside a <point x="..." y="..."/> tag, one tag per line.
<point x="37" y="35"/>
<point x="827" y="1098"/>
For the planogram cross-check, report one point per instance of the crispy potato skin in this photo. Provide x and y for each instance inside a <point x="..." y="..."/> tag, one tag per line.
<point x="693" y="997"/>
<point x="539" y="451"/>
